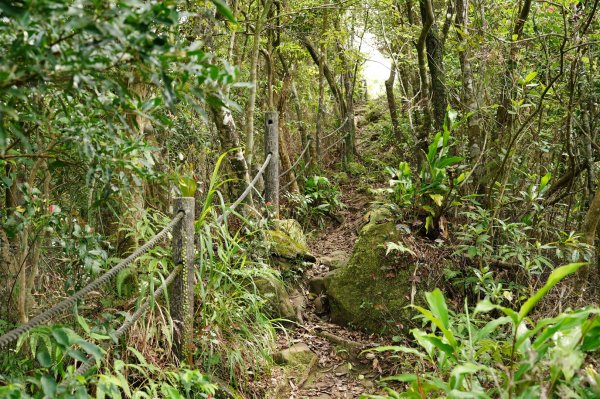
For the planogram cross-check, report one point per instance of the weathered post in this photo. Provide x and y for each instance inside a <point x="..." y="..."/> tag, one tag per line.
<point x="271" y="177"/>
<point x="181" y="291"/>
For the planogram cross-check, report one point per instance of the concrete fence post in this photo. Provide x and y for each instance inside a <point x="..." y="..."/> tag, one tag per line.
<point x="271" y="177"/>
<point x="181" y="291"/>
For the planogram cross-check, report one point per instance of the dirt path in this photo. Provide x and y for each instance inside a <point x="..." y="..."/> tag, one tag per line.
<point x="340" y="370"/>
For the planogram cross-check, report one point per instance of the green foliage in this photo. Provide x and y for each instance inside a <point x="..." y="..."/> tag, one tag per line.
<point x="487" y="241"/>
<point x="431" y="193"/>
<point x="482" y="354"/>
<point x="52" y="353"/>
<point x="237" y="336"/>
<point x="321" y="199"/>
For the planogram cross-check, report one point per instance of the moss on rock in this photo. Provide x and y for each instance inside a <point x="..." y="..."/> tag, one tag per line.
<point x="279" y="303"/>
<point x="285" y="246"/>
<point x="293" y="229"/>
<point x="371" y="292"/>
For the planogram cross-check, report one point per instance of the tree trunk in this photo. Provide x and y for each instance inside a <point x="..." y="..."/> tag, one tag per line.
<point x="284" y="153"/>
<point x="427" y="17"/>
<point x="251" y="106"/>
<point x="304" y="137"/>
<point x="469" y="100"/>
<point x="435" y="61"/>
<point x="335" y="90"/>
<point x="391" y="99"/>
<point x="503" y="117"/>
<point x="230" y="141"/>
<point x="321" y="110"/>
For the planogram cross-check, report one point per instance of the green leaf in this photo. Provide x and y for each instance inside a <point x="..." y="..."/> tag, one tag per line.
<point x="395" y="348"/>
<point x="43" y="356"/>
<point x="401" y="378"/>
<point x="439" y="324"/>
<point x="91" y="349"/>
<point x="439" y="344"/>
<point x="490" y="327"/>
<point x="545" y="180"/>
<point x="555" y="277"/>
<point x="591" y="340"/>
<point x="187" y="186"/>
<point x="530" y="76"/>
<point x="437" y="305"/>
<point x="224" y="10"/>
<point x="428" y="223"/>
<point x="61" y="336"/>
<point x="84" y="324"/>
<point x="49" y="386"/>
<point x="448" y="161"/>
<point x="486" y="306"/>
<point x="437" y="198"/>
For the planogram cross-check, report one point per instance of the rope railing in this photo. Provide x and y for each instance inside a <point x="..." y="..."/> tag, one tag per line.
<point x="182" y="226"/>
<point x="132" y="318"/>
<point x="297" y="160"/>
<point x="300" y="173"/>
<point x="65" y="304"/>
<point x="248" y="189"/>
<point x="336" y="143"/>
<point x="336" y="130"/>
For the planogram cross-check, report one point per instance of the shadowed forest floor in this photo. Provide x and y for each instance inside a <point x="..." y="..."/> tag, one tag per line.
<point x="340" y="371"/>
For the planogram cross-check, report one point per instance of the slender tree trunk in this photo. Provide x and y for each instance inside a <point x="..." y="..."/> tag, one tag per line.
<point x="469" y="100"/>
<point x="391" y="100"/>
<point x="503" y="117"/>
<point x="284" y="153"/>
<point x="251" y="106"/>
<point x="321" y="110"/>
<point x="427" y="17"/>
<point x="435" y="61"/>
<point x="331" y="81"/>
<point x="230" y="141"/>
<point x="301" y="122"/>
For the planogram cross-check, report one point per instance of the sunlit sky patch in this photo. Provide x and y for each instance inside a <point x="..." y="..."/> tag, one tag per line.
<point x="376" y="69"/>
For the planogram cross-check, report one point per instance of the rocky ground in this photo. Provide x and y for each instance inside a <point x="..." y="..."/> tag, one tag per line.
<point x="320" y="359"/>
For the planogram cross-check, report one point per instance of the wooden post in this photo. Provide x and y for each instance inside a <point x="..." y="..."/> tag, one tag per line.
<point x="181" y="291"/>
<point x="272" y="172"/>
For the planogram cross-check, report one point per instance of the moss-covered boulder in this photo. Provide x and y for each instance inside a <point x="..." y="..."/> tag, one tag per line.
<point x="372" y="291"/>
<point x="335" y="260"/>
<point x="293" y="229"/>
<point x="278" y="301"/>
<point x="298" y="354"/>
<point x="287" y="240"/>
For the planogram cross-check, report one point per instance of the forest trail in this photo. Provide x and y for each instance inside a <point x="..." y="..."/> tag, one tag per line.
<point x="339" y="369"/>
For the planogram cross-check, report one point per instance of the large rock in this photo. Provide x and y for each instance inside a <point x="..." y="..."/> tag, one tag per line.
<point x="288" y="240"/>
<point x="335" y="260"/>
<point x="298" y="354"/>
<point x="279" y="303"/>
<point x="372" y="291"/>
<point x="293" y="229"/>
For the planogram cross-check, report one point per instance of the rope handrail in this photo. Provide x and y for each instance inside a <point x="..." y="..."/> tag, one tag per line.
<point x="336" y="130"/>
<point x="300" y="173"/>
<point x="132" y="318"/>
<point x="297" y="160"/>
<point x="100" y="281"/>
<point x="248" y="189"/>
<point x="336" y="143"/>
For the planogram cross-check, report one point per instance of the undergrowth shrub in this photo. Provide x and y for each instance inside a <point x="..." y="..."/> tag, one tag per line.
<point x="233" y="335"/>
<point x="321" y="200"/>
<point x="431" y="194"/>
<point x="490" y="244"/>
<point x="236" y="336"/>
<point x="493" y="351"/>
